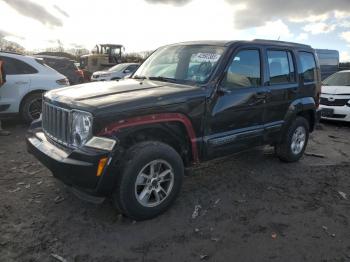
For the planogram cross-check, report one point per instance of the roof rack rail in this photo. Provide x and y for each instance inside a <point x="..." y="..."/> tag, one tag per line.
<point x="281" y="42"/>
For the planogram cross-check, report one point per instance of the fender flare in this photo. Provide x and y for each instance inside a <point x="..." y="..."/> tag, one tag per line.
<point x="297" y="106"/>
<point x="113" y="128"/>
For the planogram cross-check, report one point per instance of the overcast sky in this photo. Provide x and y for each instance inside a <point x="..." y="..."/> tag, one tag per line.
<point x="143" y="25"/>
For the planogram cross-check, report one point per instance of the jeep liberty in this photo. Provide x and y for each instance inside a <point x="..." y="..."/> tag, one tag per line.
<point x="190" y="102"/>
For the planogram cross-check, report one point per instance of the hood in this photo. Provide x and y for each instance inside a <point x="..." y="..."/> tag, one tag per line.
<point x="336" y="90"/>
<point x="101" y="72"/>
<point x="126" y="94"/>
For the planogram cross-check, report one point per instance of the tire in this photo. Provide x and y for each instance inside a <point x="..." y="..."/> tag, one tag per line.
<point x="132" y="195"/>
<point x="286" y="150"/>
<point x="31" y="107"/>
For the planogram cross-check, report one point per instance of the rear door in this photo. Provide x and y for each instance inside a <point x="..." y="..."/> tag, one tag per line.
<point x="283" y="88"/>
<point x="235" y="119"/>
<point x="18" y="76"/>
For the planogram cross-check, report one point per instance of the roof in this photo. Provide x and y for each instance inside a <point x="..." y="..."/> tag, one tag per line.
<point x="10" y="52"/>
<point x="255" y="41"/>
<point x="327" y="51"/>
<point x="16" y="55"/>
<point x="53" y="57"/>
<point x="205" y="42"/>
<point x="111" y="45"/>
<point x="281" y="43"/>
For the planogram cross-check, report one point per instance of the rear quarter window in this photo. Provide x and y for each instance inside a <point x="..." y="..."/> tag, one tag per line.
<point x="308" y="66"/>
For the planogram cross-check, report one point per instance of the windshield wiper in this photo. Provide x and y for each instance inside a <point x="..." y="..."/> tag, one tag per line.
<point x="163" y="79"/>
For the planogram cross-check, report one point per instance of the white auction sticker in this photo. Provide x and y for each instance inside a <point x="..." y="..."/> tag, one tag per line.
<point x="205" y="57"/>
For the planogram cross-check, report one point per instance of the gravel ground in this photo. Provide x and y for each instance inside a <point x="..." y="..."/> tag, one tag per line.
<point x="251" y="207"/>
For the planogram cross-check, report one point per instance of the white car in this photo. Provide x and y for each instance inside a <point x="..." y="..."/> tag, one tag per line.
<point x="116" y="72"/>
<point x="27" y="78"/>
<point x="335" y="97"/>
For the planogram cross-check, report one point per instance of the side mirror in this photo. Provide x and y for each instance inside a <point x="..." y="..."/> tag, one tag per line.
<point x="221" y="92"/>
<point x="127" y="76"/>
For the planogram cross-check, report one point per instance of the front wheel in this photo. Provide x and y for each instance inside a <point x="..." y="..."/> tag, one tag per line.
<point x="150" y="181"/>
<point x="31" y="107"/>
<point x="294" y="141"/>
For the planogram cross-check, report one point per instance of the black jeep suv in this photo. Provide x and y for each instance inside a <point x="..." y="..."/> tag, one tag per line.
<point x="189" y="102"/>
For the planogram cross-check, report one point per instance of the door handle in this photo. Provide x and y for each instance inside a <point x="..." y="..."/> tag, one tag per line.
<point x="260" y="95"/>
<point x="258" y="98"/>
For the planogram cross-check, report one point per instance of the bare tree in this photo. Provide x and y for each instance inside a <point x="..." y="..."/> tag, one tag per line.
<point x="10" y="46"/>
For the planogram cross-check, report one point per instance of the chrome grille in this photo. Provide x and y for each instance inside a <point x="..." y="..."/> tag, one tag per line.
<point x="56" y="123"/>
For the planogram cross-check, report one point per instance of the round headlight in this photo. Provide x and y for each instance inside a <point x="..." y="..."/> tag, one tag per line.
<point x="81" y="127"/>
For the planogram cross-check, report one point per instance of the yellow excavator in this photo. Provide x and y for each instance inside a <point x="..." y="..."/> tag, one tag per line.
<point x="102" y="57"/>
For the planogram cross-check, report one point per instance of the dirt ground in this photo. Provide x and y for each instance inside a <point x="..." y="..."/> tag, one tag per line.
<point x="251" y="207"/>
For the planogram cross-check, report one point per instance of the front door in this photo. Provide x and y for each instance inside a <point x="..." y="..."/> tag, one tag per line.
<point x="235" y="117"/>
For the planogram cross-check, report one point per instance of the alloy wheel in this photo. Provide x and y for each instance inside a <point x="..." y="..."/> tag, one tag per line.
<point x="298" y="140"/>
<point x="154" y="183"/>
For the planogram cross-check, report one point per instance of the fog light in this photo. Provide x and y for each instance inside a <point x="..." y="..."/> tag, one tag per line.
<point x="101" y="143"/>
<point x="101" y="165"/>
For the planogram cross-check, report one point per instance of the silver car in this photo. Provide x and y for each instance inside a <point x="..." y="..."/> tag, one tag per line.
<point x="116" y="72"/>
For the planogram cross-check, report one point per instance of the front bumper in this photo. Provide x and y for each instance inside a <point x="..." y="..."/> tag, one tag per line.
<point x="340" y="113"/>
<point x="76" y="168"/>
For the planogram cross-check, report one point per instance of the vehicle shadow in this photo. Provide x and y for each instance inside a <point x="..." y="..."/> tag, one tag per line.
<point x="335" y="123"/>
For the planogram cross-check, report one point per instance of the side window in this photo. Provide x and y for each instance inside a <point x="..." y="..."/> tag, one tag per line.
<point x="281" y="67"/>
<point x="16" y="67"/>
<point x="308" y="66"/>
<point x="244" y="70"/>
<point x="132" y="68"/>
<point x="8" y="65"/>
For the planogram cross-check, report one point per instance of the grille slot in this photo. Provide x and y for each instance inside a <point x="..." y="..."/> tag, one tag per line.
<point x="336" y="102"/>
<point x="56" y="123"/>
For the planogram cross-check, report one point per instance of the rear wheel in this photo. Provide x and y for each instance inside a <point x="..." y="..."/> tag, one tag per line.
<point x="31" y="107"/>
<point x="150" y="181"/>
<point x="294" y="141"/>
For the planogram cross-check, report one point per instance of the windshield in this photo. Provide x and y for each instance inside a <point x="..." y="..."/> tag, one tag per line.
<point x="116" y="68"/>
<point x="191" y="63"/>
<point x="338" y="79"/>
